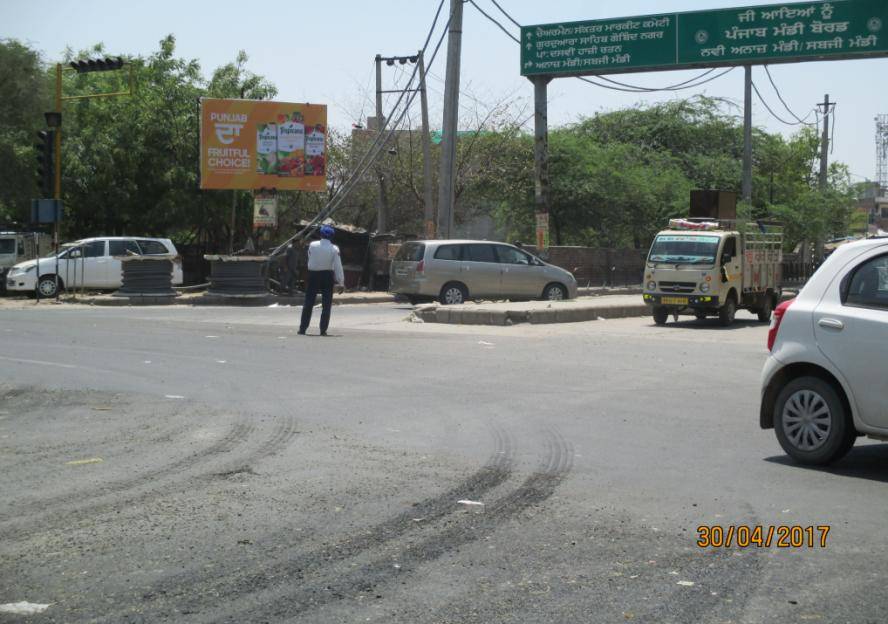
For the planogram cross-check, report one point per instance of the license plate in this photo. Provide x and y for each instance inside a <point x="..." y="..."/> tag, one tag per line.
<point x="674" y="301"/>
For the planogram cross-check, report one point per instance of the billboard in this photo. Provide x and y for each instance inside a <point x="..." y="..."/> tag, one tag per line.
<point x="779" y="33"/>
<point x="254" y="144"/>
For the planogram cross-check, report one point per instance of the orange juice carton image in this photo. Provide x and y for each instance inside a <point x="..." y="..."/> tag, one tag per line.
<point x="291" y="145"/>
<point x="315" y="139"/>
<point x="266" y="148"/>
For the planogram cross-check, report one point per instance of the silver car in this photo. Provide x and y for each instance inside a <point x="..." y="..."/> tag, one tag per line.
<point x="454" y="271"/>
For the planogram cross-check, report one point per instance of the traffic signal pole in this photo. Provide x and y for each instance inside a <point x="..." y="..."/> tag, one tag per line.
<point x="57" y="171"/>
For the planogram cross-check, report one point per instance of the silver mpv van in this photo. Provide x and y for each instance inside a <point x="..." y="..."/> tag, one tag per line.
<point x="454" y="271"/>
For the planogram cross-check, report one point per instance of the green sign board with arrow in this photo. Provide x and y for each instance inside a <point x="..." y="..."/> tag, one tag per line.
<point x="779" y="33"/>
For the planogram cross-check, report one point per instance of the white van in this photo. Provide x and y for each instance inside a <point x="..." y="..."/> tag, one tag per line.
<point x="88" y="263"/>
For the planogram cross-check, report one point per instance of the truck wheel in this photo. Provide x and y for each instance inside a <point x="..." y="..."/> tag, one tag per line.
<point x="661" y="314"/>
<point x="764" y="312"/>
<point x="727" y="312"/>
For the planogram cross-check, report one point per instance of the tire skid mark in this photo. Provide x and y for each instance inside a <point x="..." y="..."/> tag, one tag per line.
<point x="315" y="592"/>
<point x="80" y="502"/>
<point x="493" y="473"/>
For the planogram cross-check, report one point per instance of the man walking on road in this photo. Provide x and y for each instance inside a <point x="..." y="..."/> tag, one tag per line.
<point x="324" y="268"/>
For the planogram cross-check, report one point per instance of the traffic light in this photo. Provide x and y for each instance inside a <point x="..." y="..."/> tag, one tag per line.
<point x="96" y="65"/>
<point x="46" y="162"/>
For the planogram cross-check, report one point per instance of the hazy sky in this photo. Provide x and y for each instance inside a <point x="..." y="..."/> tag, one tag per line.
<point x="323" y="52"/>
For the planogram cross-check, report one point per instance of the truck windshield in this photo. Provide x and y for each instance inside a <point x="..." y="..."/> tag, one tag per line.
<point x="7" y="246"/>
<point x="684" y="249"/>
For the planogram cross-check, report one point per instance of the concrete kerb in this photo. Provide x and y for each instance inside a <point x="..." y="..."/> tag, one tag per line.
<point x="573" y="314"/>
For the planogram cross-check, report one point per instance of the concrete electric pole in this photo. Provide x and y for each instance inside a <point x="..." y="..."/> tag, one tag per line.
<point x="824" y="167"/>
<point x="746" y="185"/>
<point x="446" y="179"/>
<point x="428" y="199"/>
<point x="380" y="199"/>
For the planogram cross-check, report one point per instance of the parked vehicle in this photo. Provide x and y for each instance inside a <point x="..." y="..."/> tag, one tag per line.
<point x="16" y="247"/>
<point x="454" y="271"/>
<point x="88" y="263"/>
<point x="713" y="268"/>
<point x="825" y="382"/>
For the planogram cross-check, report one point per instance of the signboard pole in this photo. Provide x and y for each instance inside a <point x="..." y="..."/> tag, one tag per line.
<point x="231" y="231"/>
<point x="541" y="159"/>
<point x="747" y="134"/>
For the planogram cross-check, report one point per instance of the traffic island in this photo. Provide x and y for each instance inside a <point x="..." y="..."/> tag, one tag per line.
<point x="534" y="312"/>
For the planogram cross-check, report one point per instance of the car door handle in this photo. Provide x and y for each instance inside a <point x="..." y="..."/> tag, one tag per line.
<point x="831" y="323"/>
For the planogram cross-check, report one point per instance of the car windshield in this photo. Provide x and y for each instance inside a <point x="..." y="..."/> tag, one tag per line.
<point x="684" y="249"/>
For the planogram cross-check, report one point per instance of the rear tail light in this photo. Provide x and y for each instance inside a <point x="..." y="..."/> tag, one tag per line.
<point x="421" y="266"/>
<point x="776" y="319"/>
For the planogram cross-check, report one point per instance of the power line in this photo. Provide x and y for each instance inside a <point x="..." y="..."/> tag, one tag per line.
<point x="493" y="19"/>
<point x="782" y="101"/>
<point x="773" y="114"/>
<point x="503" y="11"/>
<point x="375" y="148"/>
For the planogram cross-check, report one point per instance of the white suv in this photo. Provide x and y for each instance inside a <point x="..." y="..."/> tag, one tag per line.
<point x="826" y="380"/>
<point x="89" y="263"/>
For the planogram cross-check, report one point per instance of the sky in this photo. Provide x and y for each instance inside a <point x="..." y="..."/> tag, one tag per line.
<point x="322" y="52"/>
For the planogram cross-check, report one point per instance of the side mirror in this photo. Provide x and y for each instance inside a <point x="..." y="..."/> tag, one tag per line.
<point x="544" y="255"/>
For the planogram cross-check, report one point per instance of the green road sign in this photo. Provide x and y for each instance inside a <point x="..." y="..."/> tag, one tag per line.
<point x="780" y="33"/>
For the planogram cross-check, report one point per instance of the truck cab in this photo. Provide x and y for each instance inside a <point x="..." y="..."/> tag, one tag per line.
<point x="18" y="247"/>
<point x="713" y="268"/>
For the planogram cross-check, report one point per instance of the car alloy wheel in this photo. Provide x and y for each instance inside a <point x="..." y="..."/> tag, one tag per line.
<point x="47" y="287"/>
<point x="806" y="420"/>
<point x="555" y="292"/>
<point x="453" y="295"/>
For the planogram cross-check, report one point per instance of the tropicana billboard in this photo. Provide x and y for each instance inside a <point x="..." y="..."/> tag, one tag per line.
<point x="255" y="144"/>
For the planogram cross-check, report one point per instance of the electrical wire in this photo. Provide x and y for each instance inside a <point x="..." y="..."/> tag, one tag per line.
<point x="782" y="101"/>
<point x="773" y="114"/>
<point x="503" y="11"/>
<point x="494" y="20"/>
<point x="373" y="151"/>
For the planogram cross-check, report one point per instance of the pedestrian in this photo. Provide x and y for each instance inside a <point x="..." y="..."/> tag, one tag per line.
<point x="324" y="269"/>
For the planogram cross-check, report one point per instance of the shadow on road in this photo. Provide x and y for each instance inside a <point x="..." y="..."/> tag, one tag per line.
<point x="709" y="324"/>
<point x="863" y="462"/>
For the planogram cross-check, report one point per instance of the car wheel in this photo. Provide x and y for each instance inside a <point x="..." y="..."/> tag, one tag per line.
<point x="764" y="312"/>
<point x="554" y="292"/>
<point x="811" y="422"/>
<point x="727" y="312"/>
<point x="453" y="294"/>
<point x="661" y="315"/>
<point x="46" y="286"/>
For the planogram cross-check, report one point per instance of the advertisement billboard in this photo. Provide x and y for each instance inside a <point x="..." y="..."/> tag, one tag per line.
<point x="254" y="144"/>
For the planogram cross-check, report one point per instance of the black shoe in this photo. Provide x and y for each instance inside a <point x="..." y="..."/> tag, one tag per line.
<point x="301" y="332"/>
<point x="323" y="333"/>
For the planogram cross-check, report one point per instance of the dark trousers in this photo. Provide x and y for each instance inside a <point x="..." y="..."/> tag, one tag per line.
<point x="318" y="282"/>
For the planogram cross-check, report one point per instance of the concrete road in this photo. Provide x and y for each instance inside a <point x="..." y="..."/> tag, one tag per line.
<point x="209" y="465"/>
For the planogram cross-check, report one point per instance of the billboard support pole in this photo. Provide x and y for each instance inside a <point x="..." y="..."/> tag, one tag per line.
<point x="231" y="231"/>
<point x="747" y="134"/>
<point x="541" y="154"/>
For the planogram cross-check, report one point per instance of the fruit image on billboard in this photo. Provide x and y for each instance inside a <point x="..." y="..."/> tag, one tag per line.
<point x="254" y="144"/>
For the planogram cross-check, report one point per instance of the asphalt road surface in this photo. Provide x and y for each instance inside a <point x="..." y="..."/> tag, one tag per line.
<point x="209" y="465"/>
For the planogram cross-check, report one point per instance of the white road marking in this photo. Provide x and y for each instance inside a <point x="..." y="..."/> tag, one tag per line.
<point x="23" y="608"/>
<point x="37" y="362"/>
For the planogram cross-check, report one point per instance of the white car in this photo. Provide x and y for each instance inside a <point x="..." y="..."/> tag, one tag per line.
<point x="89" y="263"/>
<point x="826" y="380"/>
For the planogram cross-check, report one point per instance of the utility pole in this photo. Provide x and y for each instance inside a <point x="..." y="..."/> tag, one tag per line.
<point x="746" y="189"/>
<point x="824" y="167"/>
<point x="429" y="208"/>
<point x="446" y="185"/>
<point x="380" y="199"/>
<point x="541" y="160"/>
